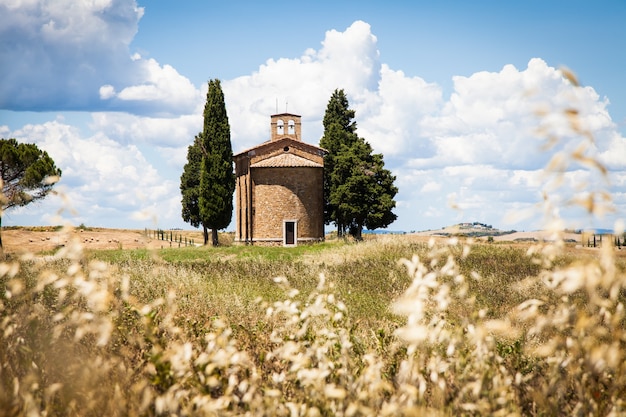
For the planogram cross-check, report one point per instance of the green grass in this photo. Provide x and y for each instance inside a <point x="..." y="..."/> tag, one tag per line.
<point x="368" y="277"/>
<point x="366" y="280"/>
<point x="193" y="254"/>
<point x="211" y="324"/>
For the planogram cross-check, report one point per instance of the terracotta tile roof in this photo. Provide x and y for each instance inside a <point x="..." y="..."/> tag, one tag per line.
<point x="285" y="160"/>
<point x="280" y="143"/>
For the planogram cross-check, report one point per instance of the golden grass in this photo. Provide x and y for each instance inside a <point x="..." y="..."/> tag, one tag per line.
<point x="393" y="326"/>
<point x="477" y="329"/>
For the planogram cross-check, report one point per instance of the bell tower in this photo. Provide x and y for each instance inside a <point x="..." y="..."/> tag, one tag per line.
<point x="285" y="125"/>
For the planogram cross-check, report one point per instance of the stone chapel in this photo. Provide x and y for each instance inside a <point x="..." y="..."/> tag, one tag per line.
<point x="279" y="195"/>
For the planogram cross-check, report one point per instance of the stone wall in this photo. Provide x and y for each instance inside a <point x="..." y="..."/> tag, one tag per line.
<point x="287" y="194"/>
<point x="278" y="181"/>
<point x="242" y="199"/>
<point x="275" y="134"/>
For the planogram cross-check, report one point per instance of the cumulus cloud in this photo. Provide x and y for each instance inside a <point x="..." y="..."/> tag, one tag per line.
<point x="163" y="91"/>
<point x="156" y="131"/>
<point x="388" y="104"/>
<point x="103" y="180"/>
<point x="484" y="144"/>
<point x="75" y="56"/>
<point x="480" y="148"/>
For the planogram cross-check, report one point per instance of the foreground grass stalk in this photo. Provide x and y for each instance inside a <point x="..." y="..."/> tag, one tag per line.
<point x="85" y="337"/>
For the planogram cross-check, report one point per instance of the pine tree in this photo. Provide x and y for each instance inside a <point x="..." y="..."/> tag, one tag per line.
<point x="208" y="180"/>
<point x="27" y="174"/>
<point x="359" y="191"/>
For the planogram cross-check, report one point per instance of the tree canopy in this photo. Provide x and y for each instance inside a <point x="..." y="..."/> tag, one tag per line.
<point x="358" y="190"/>
<point x="338" y="112"/>
<point x="190" y="184"/>
<point x="28" y="174"/>
<point x="208" y="181"/>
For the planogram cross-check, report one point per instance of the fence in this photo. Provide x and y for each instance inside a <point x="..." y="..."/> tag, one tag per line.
<point x="595" y="240"/>
<point x="173" y="237"/>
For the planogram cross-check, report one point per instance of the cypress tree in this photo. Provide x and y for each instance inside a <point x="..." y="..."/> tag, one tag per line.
<point x="337" y="111"/>
<point x="339" y="131"/>
<point x="358" y="190"/>
<point x="217" y="178"/>
<point x="208" y="180"/>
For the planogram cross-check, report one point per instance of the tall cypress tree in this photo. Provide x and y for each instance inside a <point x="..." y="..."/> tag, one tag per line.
<point x="209" y="176"/>
<point x="339" y="131"/>
<point x="359" y="191"/>
<point x="337" y="111"/>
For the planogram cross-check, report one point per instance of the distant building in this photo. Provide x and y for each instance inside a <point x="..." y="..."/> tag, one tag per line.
<point x="279" y="196"/>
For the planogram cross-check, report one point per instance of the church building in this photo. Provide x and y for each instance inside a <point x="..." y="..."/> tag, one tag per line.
<point x="279" y="195"/>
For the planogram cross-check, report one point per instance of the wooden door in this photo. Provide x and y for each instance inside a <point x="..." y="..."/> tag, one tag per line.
<point x="290" y="233"/>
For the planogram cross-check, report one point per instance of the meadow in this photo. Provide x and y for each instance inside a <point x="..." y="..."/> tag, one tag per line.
<point x="395" y="325"/>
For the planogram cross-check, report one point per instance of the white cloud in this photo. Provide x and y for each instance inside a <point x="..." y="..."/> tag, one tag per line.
<point x="431" y="187"/>
<point x="391" y="115"/>
<point x="155" y="131"/>
<point x="75" y="56"/>
<point x="62" y="52"/>
<point x="103" y="180"/>
<point x="107" y="92"/>
<point x="478" y="148"/>
<point x="164" y="90"/>
<point x="388" y="104"/>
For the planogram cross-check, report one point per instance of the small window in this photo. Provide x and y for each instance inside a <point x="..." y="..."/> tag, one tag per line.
<point x="291" y="127"/>
<point x="280" y="127"/>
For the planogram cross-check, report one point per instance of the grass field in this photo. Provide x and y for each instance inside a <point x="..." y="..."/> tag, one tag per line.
<point x="96" y="325"/>
<point x="391" y="326"/>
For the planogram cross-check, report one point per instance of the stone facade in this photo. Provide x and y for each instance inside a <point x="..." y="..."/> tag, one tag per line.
<point x="279" y="190"/>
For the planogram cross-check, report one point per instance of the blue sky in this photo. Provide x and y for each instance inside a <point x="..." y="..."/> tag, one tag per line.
<point x="448" y="91"/>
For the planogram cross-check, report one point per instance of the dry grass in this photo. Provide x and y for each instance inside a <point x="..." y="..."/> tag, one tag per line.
<point x="480" y="329"/>
<point x="394" y="326"/>
<point x="19" y="240"/>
